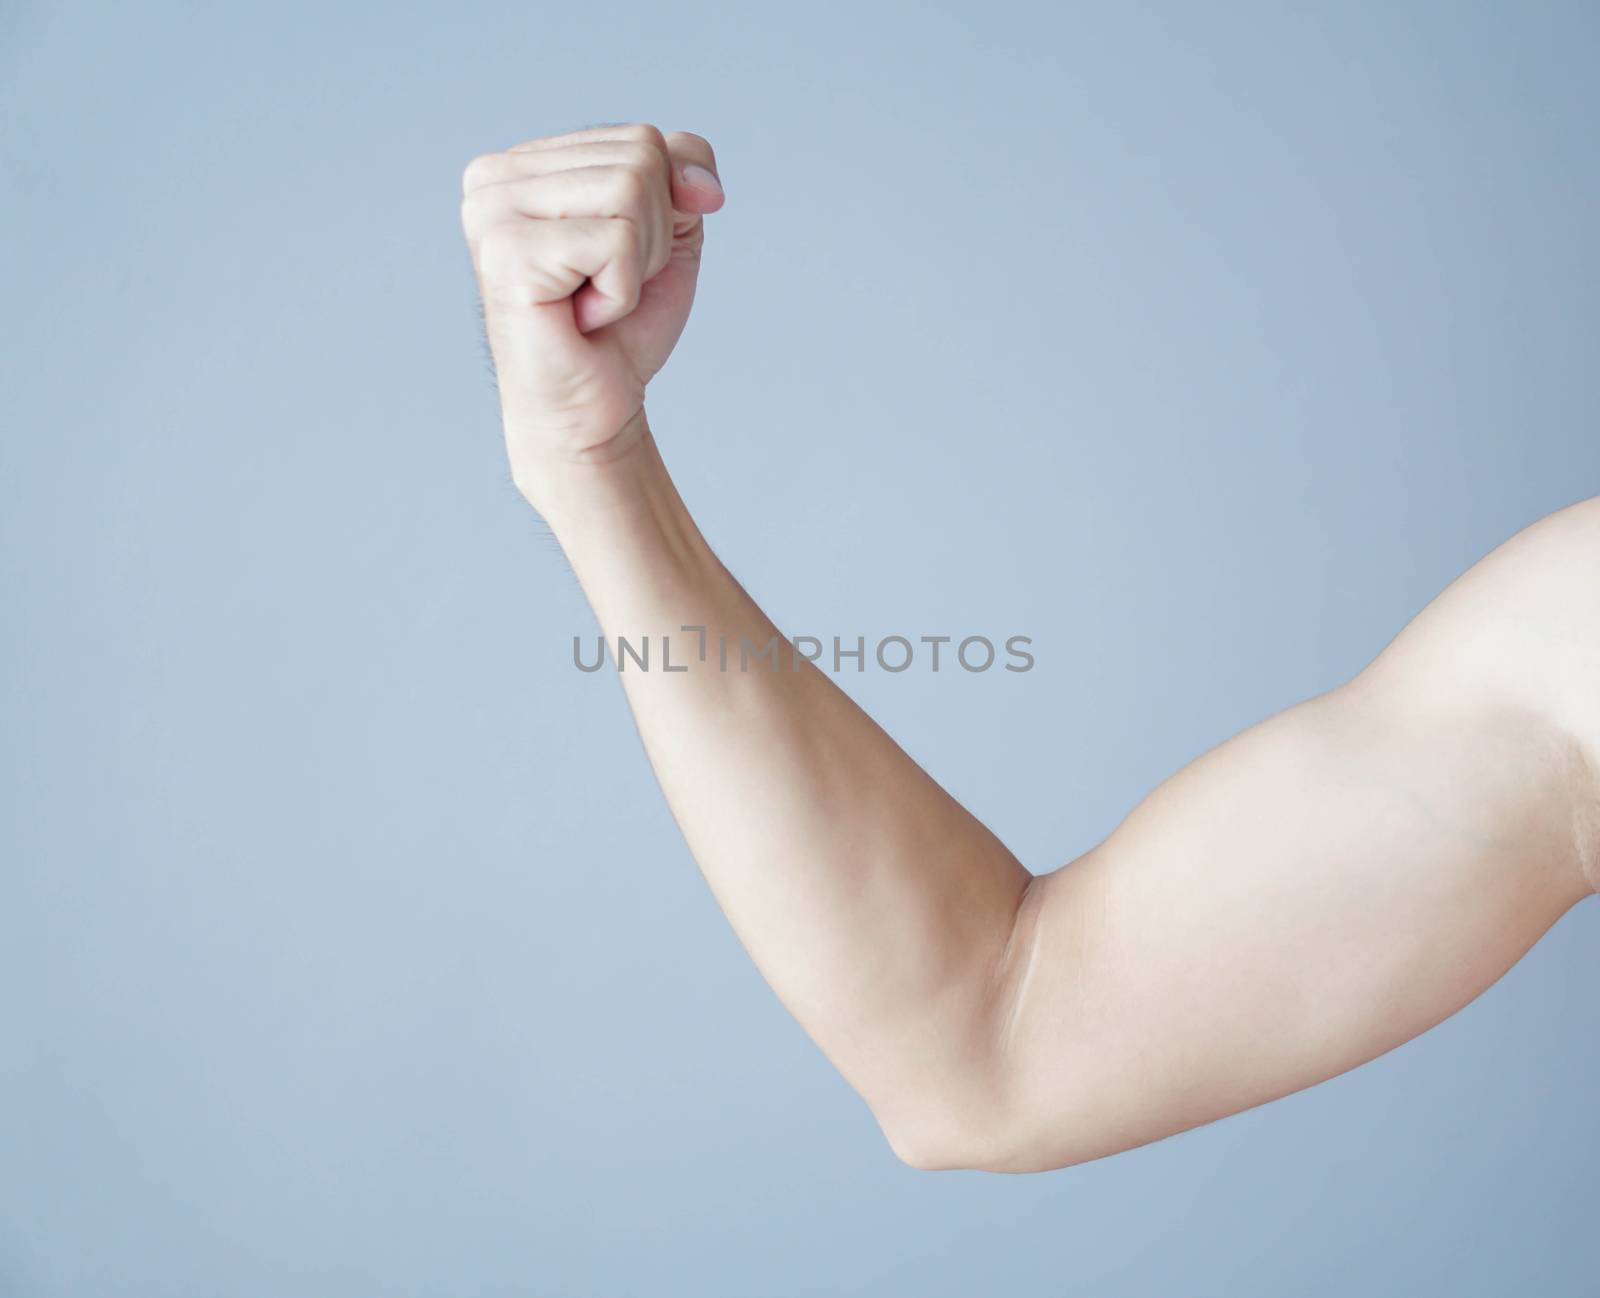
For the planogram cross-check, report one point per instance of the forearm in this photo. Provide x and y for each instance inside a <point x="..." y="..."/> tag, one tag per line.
<point x="875" y="905"/>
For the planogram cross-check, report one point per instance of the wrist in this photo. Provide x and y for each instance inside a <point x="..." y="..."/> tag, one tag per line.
<point x="622" y="486"/>
<point x="561" y="484"/>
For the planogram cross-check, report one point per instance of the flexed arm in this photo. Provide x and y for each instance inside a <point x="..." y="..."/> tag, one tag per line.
<point x="1300" y="899"/>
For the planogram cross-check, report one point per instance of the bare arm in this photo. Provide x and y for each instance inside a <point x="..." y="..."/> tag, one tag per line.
<point x="1309" y="894"/>
<point x="1326" y="885"/>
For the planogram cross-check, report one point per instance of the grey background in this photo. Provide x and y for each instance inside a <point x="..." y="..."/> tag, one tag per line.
<point x="345" y="942"/>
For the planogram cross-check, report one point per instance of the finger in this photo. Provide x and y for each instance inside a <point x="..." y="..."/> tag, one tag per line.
<point x="696" y="186"/>
<point x="497" y="168"/>
<point x="601" y="190"/>
<point x="606" y="190"/>
<point x="636" y="131"/>
<point x="525" y="264"/>
<point x="592" y="310"/>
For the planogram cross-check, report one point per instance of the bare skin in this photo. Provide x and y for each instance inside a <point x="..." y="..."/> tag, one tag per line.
<point x="1312" y="893"/>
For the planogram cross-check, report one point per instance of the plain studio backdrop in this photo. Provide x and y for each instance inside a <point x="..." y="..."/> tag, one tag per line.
<point x="346" y="944"/>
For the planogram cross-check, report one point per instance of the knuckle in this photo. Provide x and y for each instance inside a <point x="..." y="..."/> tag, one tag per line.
<point x="474" y="208"/>
<point x="645" y="133"/>
<point x="625" y="238"/>
<point x="478" y="171"/>
<point x="510" y="273"/>
<point x="633" y="185"/>
<point x="631" y="286"/>
<point x="498" y="249"/>
<point x="627" y="287"/>
<point x="647" y="158"/>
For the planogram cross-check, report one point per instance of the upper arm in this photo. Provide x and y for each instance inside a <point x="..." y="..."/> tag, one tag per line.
<point x="1325" y="885"/>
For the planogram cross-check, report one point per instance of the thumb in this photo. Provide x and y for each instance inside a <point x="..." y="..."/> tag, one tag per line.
<point x="696" y="188"/>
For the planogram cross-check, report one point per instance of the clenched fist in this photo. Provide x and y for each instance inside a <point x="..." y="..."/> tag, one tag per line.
<point x="586" y="247"/>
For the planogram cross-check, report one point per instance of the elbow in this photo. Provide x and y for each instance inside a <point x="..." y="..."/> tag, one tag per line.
<point x="922" y="1154"/>
<point x="994" y="1123"/>
<point x="968" y="1138"/>
<point x="929" y="1151"/>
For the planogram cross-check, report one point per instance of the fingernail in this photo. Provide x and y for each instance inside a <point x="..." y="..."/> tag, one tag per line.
<point x="702" y="178"/>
